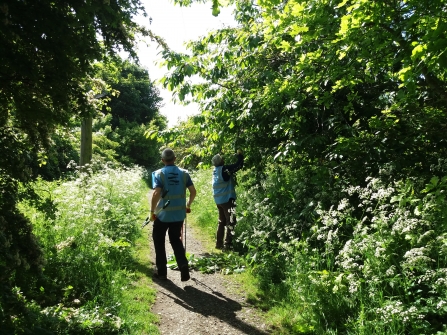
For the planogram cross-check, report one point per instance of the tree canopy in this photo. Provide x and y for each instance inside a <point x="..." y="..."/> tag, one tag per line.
<point x="138" y="100"/>
<point x="47" y="53"/>
<point x="357" y="83"/>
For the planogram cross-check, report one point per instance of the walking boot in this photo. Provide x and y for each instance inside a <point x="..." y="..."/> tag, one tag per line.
<point x="184" y="273"/>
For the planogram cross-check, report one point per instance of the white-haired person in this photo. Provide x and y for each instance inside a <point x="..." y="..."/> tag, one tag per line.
<point x="225" y="198"/>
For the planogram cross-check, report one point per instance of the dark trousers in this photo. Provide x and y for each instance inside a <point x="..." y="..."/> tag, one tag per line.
<point x="159" y="235"/>
<point x="227" y="221"/>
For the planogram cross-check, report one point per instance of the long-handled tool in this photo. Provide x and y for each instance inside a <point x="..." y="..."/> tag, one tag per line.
<point x="183" y="231"/>
<point x="148" y="219"/>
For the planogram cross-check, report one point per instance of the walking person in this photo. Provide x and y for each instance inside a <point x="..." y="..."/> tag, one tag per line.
<point x="225" y="198"/>
<point x="170" y="183"/>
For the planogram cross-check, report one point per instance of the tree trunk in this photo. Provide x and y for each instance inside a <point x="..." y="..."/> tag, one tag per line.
<point x="86" y="141"/>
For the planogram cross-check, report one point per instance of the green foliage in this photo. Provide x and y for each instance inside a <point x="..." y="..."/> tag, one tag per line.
<point x="46" y="58"/>
<point x="137" y="101"/>
<point x="134" y="147"/>
<point x="187" y="140"/>
<point x="296" y="82"/>
<point x="54" y="161"/>
<point x="21" y="265"/>
<point x="340" y="109"/>
<point x="86" y="245"/>
<point x="45" y="80"/>
<point x="131" y="113"/>
<point x="126" y="144"/>
<point x="371" y="262"/>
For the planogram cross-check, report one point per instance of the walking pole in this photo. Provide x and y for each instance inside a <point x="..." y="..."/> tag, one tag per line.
<point x="185" y="232"/>
<point x="181" y="233"/>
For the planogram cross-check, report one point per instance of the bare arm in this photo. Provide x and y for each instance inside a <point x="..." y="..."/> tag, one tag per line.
<point x="156" y="195"/>
<point x="192" y="195"/>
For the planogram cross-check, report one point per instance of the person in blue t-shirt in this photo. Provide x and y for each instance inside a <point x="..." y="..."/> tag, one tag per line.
<point x="225" y="198"/>
<point x="170" y="184"/>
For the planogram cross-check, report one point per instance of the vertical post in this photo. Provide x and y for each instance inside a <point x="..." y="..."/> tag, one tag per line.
<point x="86" y="141"/>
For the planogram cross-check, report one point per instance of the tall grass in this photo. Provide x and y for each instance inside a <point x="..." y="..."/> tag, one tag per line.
<point x="88" y="227"/>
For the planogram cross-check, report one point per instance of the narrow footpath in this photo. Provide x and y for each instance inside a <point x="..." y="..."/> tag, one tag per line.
<point x="206" y="304"/>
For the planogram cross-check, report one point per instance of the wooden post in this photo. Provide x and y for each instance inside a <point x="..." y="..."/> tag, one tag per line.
<point x="86" y="141"/>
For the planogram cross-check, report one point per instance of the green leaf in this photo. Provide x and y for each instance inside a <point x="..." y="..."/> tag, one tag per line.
<point x="152" y="133"/>
<point x="297" y="9"/>
<point x="216" y="8"/>
<point x="341" y="4"/>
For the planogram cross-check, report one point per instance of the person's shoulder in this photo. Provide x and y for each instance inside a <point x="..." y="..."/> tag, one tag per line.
<point x="185" y="171"/>
<point x="157" y="172"/>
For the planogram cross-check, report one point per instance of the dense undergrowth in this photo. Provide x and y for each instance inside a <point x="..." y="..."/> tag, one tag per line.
<point x="347" y="260"/>
<point x="87" y="227"/>
<point x="339" y="260"/>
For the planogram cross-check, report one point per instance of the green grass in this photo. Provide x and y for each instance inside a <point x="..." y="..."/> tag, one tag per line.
<point x="139" y="297"/>
<point x="203" y="209"/>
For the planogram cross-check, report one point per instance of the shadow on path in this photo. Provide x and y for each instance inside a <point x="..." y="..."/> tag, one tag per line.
<point x="208" y="304"/>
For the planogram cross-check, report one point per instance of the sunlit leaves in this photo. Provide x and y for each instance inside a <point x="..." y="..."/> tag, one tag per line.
<point x="340" y="63"/>
<point x="216" y="8"/>
<point x="341" y="4"/>
<point x="324" y="94"/>
<point x="295" y="29"/>
<point x="418" y="51"/>
<point x="405" y="74"/>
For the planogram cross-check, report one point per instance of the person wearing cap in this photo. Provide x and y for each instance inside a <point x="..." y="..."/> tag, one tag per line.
<point x="170" y="183"/>
<point x="225" y="198"/>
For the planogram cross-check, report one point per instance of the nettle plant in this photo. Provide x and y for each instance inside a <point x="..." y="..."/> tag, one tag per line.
<point x="388" y="260"/>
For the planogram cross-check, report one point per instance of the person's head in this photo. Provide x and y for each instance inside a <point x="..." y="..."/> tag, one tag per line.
<point x="168" y="156"/>
<point x="217" y="160"/>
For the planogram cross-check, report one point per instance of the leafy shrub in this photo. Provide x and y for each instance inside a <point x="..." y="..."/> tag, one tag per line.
<point x="362" y="260"/>
<point x="276" y="212"/>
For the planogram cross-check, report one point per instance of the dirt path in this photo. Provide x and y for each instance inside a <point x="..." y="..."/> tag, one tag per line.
<point x="206" y="304"/>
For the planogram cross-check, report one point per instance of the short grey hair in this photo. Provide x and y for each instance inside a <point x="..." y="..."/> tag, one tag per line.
<point x="217" y="160"/>
<point x="168" y="154"/>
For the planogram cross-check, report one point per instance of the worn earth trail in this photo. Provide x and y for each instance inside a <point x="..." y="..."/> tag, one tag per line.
<point x="206" y="304"/>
